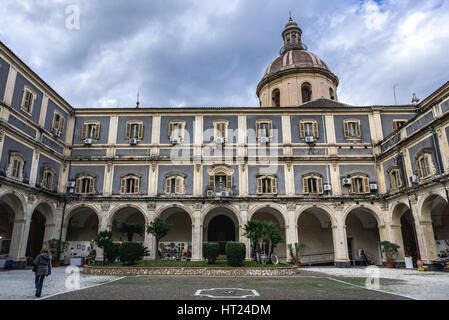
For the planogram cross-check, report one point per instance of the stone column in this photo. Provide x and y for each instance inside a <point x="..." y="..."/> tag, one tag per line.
<point x="291" y="228"/>
<point x="19" y="239"/>
<point x="395" y="233"/>
<point x="150" y="240"/>
<point x="341" y="256"/>
<point x="244" y="215"/>
<point x="197" y="235"/>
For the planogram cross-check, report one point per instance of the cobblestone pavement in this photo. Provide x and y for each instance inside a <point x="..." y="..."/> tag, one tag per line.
<point x="19" y="284"/>
<point x="410" y="283"/>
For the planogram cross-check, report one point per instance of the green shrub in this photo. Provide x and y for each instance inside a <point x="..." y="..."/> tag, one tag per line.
<point x="112" y="251"/>
<point x="130" y="252"/>
<point x="211" y="251"/>
<point x="235" y="253"/>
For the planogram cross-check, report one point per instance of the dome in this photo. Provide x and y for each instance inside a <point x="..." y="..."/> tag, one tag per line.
<point x="295" y="59"/>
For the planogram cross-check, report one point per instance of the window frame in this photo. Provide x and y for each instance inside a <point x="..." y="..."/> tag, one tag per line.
<point x="315" y="128"/>
<point x="60" y="125"/>
<point x="182" y="128"/>
<point x="222" y="171"/>
<point x="84" y="131"/>
<point x="425" y="157"/>
<point x="276" y="103"/>
<point x="123" y="183"/>
<point x="319" y="183"/>
<point x="45" y="173"/>
<point x="27" y="89"/>
<point x="79" y="184"/>
<point x="395" y="126"/>
<point x="394" y="175"/>
<point x="346" y="128"/>
<point x="270" y="129"/>
<point x="272" y="185"/>
<point x="128" y="132"/>
<point x="364" y="183"/>
<point x="307" y="86"/>
<point x="20" y="158"/>
<point x="225" y="123"/>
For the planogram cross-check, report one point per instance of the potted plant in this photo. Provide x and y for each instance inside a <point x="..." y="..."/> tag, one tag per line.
<point x="390" y="249"/>
<point x="297" y="253"/>
<point x="57" y="247"/>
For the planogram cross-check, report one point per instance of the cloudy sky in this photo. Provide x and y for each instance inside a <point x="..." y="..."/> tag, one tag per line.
<point x="214" y="52"/>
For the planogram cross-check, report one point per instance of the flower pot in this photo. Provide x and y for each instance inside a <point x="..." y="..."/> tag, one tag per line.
<point x="263" y="258"/>
<point x="297" y="264"/>
<point x="390" y="265"/>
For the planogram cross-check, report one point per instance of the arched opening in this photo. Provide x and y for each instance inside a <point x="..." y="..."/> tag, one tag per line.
<point x="315" y="231"/>
<point x="81" y="228"/>
<point x="177" y="244"/>
<point x="272" y="215"/>
<point x="362" y="236"/>
<point x="404" y="230"/>
<point x="127" y="215"/>
<point x="306" y="91"/>
<point x="36" y="236"/>
<point x="436" y="209"/>
<point x="222" y="226"/>
<point x="331" y="94"/>
<point x="11" y="208"/>
<point x="276" y="98"/>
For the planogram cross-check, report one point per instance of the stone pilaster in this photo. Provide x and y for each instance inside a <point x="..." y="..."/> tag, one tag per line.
<point x="197" y="235"/>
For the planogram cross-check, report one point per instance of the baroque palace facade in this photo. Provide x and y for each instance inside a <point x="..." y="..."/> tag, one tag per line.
<point x="334" y="176"/>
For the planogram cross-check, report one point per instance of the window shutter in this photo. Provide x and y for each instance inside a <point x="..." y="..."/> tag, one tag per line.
<point x="319" y="185"/>
<point x="229" y="181"/>
<point x="302" y="133"/>
<point x="44" y="178"/>
<point x="84" y="131"/>
<point x="259" y="185"/>
<point x="316" y="133"/>
<point x="140" y="130"/>
<point x="305" y="185"/>
<point x="78" y="186"/>
<point x="426" y="163"/>
<point x="365" y="185"/>
<point x="61" y="124"/>
<point x="137" y="185"/>
<point x="54" y="124"/>
<point x="128" y="130"/>
<point x="258" y="130"/>
<point x="170" y="129"/>
<point x="420" y="169"/>
<point x="346" y="129"/>
<point x="274" y="189"/>
<point x="97" y="131"/>
<point x="177" y="186"/>
<point x="212" y="182"/>
<point x="394" y="125"/>
<point x="357" y="129"/>
<point x="392" y="180"/>
<point x="123" y="185"/>
<point x="269" y="130"/>
<point x="91" y="186"/>
<point x="167" y="185"/>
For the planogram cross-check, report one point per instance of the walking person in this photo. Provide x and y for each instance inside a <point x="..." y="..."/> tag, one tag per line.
<point x="41" y="268"/>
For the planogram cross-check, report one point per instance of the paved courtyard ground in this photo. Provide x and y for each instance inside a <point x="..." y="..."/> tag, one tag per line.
<point x="315" y="283"/>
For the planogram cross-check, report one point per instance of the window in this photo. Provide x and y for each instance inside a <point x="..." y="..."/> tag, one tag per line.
<point x="396" y="124"/>
<point x="276" y="97"/>
<point x="58" y="122"/>
<point x="175" y="185"/>
<point x="352" y="129"/>
<point x="306" y="91"/>
<point x="220" y="179"/>
<point x="312" y="184"/>
<point x="266" y="185"/>
<point x="16" y="165"/>
<point x="395" y="178"/>
<point x="134" y="130"/>
<point x="176" y="130"/>
<point x="48" y="178"/>
<point x="263" y="129"/>
<point x="425" y="165"/>
<point x="308" y="128"/>
<point x="85" y="185"/>
<point x="28" y="100"/>
<point x="221" y="129"/>
<point x="360" y="184"/>
<point x="331" y="94"/>
<point x="91" y="130"/>
<point x="130" y="184"/>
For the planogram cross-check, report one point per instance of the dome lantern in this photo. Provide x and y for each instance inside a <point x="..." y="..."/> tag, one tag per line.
<point x="292" y="36"/>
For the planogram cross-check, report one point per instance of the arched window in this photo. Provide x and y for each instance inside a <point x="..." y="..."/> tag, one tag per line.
<point x="267" y="185"/>
<point x="48" y="178"/>
<point x="16" y="165"/>
<point x="130" y="184"/>
<point x="425" y="165"/>
<point x="360" y="184"/>
<point x="306" y="91"/>
<point x="312" y="184"/>
<point x="220" y="179"/>
<point x="276" y="97"/>
<point x="308" y="128"/>
<point x="85" y="184"/>
<point x="175" y="184"/>
<point x="331" y="94"/>
<point x="395" y="178"/>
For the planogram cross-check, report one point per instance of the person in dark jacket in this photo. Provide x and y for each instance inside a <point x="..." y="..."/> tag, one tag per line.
<point x="42" y="268"/>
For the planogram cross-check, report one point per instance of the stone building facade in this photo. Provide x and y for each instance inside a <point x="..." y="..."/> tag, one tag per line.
<point x="334" y="176"/>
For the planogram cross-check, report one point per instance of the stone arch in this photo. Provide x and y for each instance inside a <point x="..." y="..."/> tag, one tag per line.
<point x="126" y="213"/>
<point x="174" y="205"/>
<point x="372" y="209"/>
<point x="275" y="207"/>
<point x="72" y="210"/>
<point x="235" y="211"/>
<point x="328" y="211"/>
<point x="426" y="202"/>
<point x="17" y="200"/>
<point x="48" y="210"/>
<point x="115" y="210"/>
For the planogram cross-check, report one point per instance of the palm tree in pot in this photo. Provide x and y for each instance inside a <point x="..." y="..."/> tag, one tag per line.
<point x="391" y="250"/>
<point x="297" y="253"/>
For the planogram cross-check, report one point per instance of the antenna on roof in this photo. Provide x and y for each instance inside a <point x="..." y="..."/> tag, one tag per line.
<point x="415" y="99"/>
<point x="138" y="103"/>
<point x="290" y="14"/>
<point x="394" y="92"/>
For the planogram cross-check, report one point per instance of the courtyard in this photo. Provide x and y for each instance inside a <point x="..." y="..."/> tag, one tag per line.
<point x="317" y="283"/>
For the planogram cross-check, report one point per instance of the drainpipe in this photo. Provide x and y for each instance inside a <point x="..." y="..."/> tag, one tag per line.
<point x="327" y="153"/>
